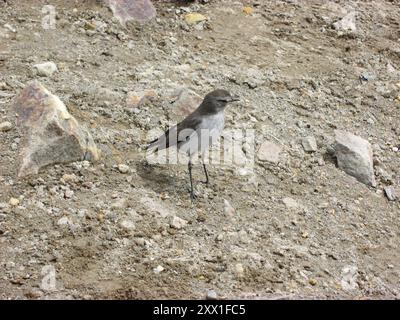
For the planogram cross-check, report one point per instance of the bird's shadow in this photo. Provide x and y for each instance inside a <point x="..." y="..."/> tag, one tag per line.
<point x="157" y="177"/>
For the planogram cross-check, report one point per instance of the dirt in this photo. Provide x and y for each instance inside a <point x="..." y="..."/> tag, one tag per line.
<point x="299" y="228"/>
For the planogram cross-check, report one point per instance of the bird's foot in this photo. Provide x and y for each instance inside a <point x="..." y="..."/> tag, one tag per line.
<point x="194" y="195"/>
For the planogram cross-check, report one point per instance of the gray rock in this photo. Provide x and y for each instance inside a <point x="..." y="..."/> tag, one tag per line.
<point x="390" y="193"/>
<point x="254" y="78"/>
<point x="127" y="225"/>
<point x="290" y="203"/>
<point x="5" y="126"/>
<point x="64" y="221"/>
<point x="211" y="295"/>
<point x="354" y="156"/>
<point x="270" y="152"/>
<point x="347" y="23"/>
<point x="45" y="69"/>
<point x="178" y="223"/>
<point x="50" y="133"/>
<point x="309" y="144"/>
<point x="123" y="168"/>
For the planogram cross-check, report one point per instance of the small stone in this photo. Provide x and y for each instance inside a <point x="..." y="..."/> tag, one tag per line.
<point x="253" y="77"/>
<point x="135" y="100"/>
<point x="349" y="278"/>
<point x="228" y="209"/>
<point x="270" y="152"/>
<point x="45" y="69"/>
<point x="247" y="10"/>
<point x="5" y="126"/>
<point x="193" y="18"/>
<point x="313" y="282"/>
<point x="14" y="202"/>
<point x="211" y="295"/>
<point x="34" y="294"/>
<point x="290" y="203"/>
<point x="158" y="269"/>
<point x="119" y="204"/>
<point x="127" y="225"/>
<point x="354" y="156"/>
<point x="239" y="270"/>
<point x="309" y="144"/>
<point x="70" y="178"/>
<point x="123" y="168"/>
<point x="390" y="193"/>
<point x="68" y="194"/>
<point x="347" y="23"/>
<point x="3" y="207"/>
<point x="64" y="221"/>
<point x="178" y="223"/>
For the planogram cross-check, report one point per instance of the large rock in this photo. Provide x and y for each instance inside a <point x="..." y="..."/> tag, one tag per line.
<point x="50" y="133"/>
<point x="354" y="156"/>
<point x="125" y="10"/>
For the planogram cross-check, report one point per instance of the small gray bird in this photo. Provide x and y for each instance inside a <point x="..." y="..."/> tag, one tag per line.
<point x="198" y="131"/>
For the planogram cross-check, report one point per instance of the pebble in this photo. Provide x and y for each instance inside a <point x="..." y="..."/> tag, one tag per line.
<point x="119" y="204"/>
<point x="347" y="23"/>
<point x="211" y="295"/>
<point x="127" y="225"/>
<point x="68" y="194"/>
<point x="290" y="203"/>
<point x="64" y="221"/>
<point x="193" y="18"/>
<point x="5" y="126"/>
<point x="309" y="144"/>
<point x="158" y="269"/>
<point x="123" y="168"/>
<point x="178" y="223"/>
<point x="390" y="193"/>
<point x="313" y="282"/>
<point x="45" y="69"/>
<point x="228" y="209"/>
<point x="70" y="178"/>
<point x="14" y="202"/>
<point x="239" y="270"/>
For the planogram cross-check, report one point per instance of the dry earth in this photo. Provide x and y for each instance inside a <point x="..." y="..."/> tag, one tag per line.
<point x="300" y="227"/>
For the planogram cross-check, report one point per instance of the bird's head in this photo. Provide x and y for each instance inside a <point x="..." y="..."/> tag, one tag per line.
<point x="217" y="100"/>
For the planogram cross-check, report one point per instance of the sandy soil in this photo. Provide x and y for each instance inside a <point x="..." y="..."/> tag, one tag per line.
<point x="298" y="228"/>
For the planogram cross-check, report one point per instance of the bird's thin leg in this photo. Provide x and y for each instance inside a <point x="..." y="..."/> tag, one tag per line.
<point x="206" y="173"/>
<point x="190" y="166"/>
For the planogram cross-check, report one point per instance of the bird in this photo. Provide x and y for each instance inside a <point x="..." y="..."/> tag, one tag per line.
<point x="198" y="131"/>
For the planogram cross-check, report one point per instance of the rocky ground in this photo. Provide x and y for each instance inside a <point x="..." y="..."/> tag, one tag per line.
<point x="293" y="226"/>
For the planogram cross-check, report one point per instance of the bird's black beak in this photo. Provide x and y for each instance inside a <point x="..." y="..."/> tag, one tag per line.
<point x="233" y="99"/>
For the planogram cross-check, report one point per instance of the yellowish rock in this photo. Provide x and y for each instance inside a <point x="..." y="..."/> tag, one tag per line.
<point x="193" y="18"/>
<point x="247" y="10"/>
<point x="313" y="282"/>
<point x="14" y="202"/>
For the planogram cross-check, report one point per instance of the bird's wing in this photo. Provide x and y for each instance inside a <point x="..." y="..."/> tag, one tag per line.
<point x="176" y="135"/>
